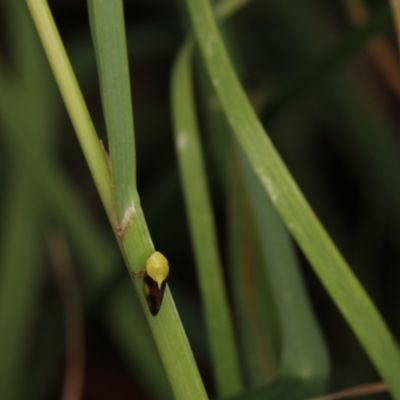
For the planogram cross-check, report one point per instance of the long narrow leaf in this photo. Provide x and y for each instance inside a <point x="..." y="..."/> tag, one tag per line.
<point x="304" y="355"/>
<point x="202" y="227"/>
<point x="108" y="32"/>
<point x="20" y="279"/>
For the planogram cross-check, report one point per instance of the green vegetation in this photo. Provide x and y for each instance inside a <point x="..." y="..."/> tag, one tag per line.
<point x="271" y="107"/>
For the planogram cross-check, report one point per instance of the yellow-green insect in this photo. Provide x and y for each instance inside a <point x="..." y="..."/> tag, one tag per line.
<point x="154" y="281"/>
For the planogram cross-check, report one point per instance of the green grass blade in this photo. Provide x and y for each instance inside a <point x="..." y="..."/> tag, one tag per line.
<point x="20" y="281"/>
<point x="327" y="262"/>
<point x="255" y="307"/>
<point x="108" y="32"/>
<point x="255" y="313"/>
<point x="304" y="355"/>
<point x="25" y="122"/>
<point x="202" y="226"/>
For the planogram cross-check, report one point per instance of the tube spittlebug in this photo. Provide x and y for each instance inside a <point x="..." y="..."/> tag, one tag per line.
<point x="154" y="281"/>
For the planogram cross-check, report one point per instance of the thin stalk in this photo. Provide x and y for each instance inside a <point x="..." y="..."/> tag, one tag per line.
<point x="202" y="227"/>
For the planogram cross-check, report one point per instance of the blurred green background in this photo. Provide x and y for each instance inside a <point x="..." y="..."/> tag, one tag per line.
<point x="324" y="78"/>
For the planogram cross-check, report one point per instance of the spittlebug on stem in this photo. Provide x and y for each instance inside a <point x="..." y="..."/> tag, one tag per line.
<point x="154" y="281"/>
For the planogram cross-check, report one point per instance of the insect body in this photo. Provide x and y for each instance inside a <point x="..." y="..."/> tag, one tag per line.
<point x="155" y="279"/>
